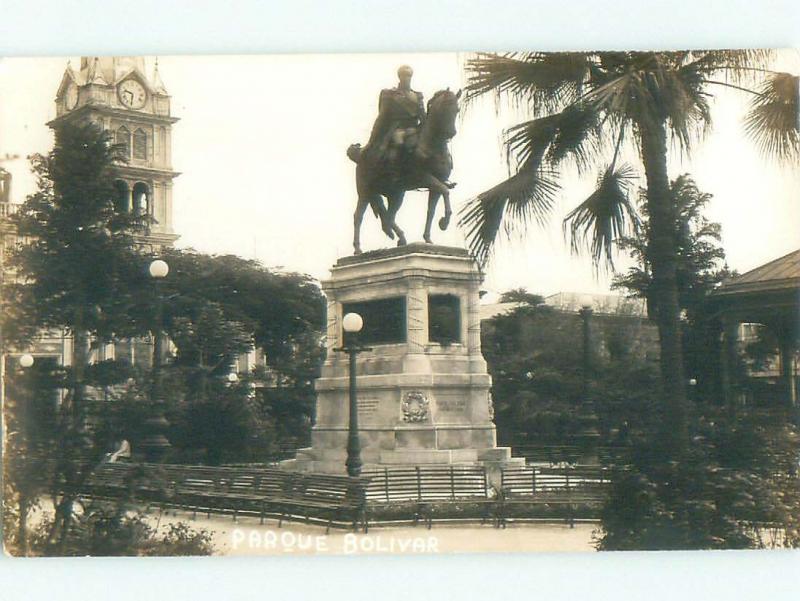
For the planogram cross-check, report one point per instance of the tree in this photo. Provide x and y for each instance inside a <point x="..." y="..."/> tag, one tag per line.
<point x="521" y="295"/>
<point x="537" y="374"/>
<point x="216" y="308"/>
<point x="735" y="489"/>
<point x="77" y="274"/>
<point x="582" y="101"/>
<point x="700" y="267"/>
<point x="281" y="313"/>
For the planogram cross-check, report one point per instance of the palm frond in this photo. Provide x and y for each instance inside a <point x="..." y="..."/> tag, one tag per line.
<point x="604" y="217"/>
<point x="529" y="195"/>
<point x="571" y="134"/>
<point x="741" y="66"/>
<point x="773" y="121"/>
<point x="546" y="81"/>
<point x="577" y="137"/>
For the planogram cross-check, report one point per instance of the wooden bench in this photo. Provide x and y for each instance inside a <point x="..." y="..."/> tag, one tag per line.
<point x="233" y="491"/>
<point x="333" y="497"/>
<point x="565" y="487"/>
<point x="429" y="488"/>
<point x="109" y="480"/>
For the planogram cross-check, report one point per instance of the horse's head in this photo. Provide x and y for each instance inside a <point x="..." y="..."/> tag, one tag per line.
<point x="442" y="112"/>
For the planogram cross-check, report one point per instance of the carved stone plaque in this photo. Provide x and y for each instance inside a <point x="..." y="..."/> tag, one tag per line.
<point x="367" y="407"/>
<point x="451" y="404"/>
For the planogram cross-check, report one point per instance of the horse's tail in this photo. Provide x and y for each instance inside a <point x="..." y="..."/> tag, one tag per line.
<point x="354" y="152"/>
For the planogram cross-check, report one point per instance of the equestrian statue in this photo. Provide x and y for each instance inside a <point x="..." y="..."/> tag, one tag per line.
<point x="407" y="150"/>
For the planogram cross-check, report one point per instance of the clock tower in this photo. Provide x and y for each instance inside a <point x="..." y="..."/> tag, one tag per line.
<point x="116" y="93"/>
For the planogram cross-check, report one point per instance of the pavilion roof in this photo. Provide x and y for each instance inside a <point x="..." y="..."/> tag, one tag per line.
<point x="779" y="274"/>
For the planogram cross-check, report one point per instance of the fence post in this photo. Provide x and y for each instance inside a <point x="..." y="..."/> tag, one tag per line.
<point x="566" y="475"/>
<point x="452" y="484"/>
<point x="533" y="480"/>
<point x="386" y="482"/>
<point x="419" y="485"/>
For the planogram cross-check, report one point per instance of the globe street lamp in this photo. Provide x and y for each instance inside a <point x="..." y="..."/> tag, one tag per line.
<point x="352" y="324"/>
<point x="156" y="444"/>
<point x="25" y="361"/>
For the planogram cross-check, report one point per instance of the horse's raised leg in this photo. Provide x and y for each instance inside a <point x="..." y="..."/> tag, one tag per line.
<point x="448" y="212"/>
<point x="433" y="200"/>
<point x="434" y="184"/>
<point x="395" y="202"/>
<point x="358" y="217"/>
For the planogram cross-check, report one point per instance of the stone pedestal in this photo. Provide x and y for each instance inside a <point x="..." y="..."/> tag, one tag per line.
<point x="421" y="401"/>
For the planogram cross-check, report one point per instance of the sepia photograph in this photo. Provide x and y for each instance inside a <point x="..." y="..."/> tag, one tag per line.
<point x="400" y="303"/>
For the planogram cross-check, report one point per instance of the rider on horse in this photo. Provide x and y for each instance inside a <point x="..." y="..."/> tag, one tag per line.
<point x="407" y="150"/>
<point x="401" y="113"/>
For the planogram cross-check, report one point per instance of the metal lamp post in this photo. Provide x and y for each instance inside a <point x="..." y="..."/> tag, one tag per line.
<point x="352" y="324"/>
<point x="586" y="312"/>
<point x="590" y="433"/>
<point x="155" y="443"/>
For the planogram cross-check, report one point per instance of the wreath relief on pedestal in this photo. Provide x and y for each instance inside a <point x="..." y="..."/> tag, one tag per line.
<point x="415" y="407"/>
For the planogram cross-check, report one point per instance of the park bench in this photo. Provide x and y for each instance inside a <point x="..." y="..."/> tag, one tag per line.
<point x="109" y="480"/>
<point x="563" y="487"/>
<point x="263" y="491"/>
<point x="429" y="488"/>
<point x="331" y="497"/>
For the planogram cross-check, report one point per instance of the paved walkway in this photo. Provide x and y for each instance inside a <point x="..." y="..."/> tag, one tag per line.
<point x="247" y="537"/>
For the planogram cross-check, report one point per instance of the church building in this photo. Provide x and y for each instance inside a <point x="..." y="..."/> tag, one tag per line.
<point x="116" y="93"/>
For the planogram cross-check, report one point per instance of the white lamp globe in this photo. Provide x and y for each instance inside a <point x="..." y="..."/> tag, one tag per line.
<point x="586" y="300"/>
<point x="233" y="377"/>
<point x="26" y="360"/>
<point x="159" y="269"/>
<point x="352" y="322"/>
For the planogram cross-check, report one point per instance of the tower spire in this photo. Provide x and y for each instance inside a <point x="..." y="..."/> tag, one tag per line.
<point x="158" y="85"/>
<point x="94" y="74"/>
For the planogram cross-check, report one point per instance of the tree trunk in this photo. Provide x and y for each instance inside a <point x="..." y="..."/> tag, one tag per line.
<point x="73" y="434"/>
<point x="662" y="254"/>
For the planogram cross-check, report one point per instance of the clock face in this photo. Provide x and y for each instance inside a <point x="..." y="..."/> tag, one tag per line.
<point x="132" y="94"/>
<point x="71" y="97"/>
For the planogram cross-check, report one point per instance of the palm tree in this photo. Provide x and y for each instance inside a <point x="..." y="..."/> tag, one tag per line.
<point x="586" y="106"/>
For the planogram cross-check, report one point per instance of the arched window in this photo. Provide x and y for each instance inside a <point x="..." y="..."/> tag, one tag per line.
<point x="124" y="139"/>
<point x="141" y="198"/>
<point x="122" y="196"/>
<point x="140" y="145"/>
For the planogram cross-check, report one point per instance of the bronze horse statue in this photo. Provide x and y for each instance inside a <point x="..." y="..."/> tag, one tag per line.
<point x="427" y="167"/>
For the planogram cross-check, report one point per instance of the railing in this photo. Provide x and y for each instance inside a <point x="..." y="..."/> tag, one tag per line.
<point x="426" y="483"/>
<point x="533" y="480"/>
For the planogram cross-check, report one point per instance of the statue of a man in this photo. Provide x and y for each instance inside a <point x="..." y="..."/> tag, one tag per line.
<point x="401" y="112"/>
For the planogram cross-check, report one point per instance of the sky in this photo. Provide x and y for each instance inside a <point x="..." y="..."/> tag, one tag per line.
<point x="261" y="142"/>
